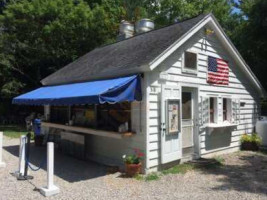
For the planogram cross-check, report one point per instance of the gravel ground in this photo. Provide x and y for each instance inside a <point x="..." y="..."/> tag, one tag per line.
<point x="244" y="176"/>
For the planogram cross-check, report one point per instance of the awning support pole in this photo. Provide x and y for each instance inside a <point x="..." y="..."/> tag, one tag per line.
<point x="2" y="164"/>
<point x="51" y="189"/>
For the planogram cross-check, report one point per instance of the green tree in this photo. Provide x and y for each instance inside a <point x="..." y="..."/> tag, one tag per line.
<point x="169" y="11"/>
<point x="250" y="36"/>
<point x="38" y="37"/>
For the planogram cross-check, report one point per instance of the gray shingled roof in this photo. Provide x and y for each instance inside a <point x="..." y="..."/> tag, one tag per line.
<point x="124" y="57"/>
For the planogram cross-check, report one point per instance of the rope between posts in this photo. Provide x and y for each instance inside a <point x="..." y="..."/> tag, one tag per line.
<point x="42" y="163"/>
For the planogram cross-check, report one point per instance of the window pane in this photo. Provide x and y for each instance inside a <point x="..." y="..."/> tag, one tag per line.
<point x="186" y="105"/>
<point x="211" y="109"/>
<point x="224" y="109"/>
<point x="59" y="114"/>
<point x="190" y="60"/>
<point x="111" y="116"/>
<point x="84" y="115"/>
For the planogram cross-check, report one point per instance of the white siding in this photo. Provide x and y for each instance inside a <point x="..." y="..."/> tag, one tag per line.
<point x="239" y="87"/>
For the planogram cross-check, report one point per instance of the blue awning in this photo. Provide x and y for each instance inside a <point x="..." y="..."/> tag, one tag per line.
<point x="93" y="92"/>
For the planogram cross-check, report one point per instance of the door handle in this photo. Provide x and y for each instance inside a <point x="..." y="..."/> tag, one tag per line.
<point x="163" y="129"/>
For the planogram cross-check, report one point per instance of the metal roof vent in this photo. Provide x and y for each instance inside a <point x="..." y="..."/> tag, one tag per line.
<point x="144" y="25"/>
<point x="126" y="30"/>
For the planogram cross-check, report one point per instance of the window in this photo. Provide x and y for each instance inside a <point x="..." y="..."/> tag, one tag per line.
<point x="213" y="109"/>
<point x="226" y="104"/>
<point x="84" y="116"/>
<point x="224" y="109"/>
<point x="59" y="114"/>
<point x="218" y="110"/>
<point x="186" y="105"/>
<point x="108" y="117"/>
<point x="190" y="62"/>
<point x="111" y="116"/>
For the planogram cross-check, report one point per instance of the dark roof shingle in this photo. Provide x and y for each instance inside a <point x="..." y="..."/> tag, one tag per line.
<point x="127" y="55"/>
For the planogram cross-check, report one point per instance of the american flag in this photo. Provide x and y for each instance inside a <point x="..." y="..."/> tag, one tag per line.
<point x="218" y="71"/>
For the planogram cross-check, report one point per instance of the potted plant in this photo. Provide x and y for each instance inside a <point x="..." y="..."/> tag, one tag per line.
<point x="133" y="163"/>
<point x="250" y="142"/>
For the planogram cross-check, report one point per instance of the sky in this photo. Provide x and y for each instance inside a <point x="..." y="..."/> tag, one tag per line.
<point x="235" y="10"/>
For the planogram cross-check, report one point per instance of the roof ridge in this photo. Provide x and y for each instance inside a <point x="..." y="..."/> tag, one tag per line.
<point x="166" y="26"/>
<point x="126" y="55"/>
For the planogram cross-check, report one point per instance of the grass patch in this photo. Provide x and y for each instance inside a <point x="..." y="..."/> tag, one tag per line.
<point x="152" y="177"/>
<point x="13" y="131"/>
<point x="183" y="169"/>
<point x="213" y="163"/>
<point x="179" y="169"/>
<point x="149" y="177"/>
<point x="220" y="160"/>
<point x="139" y="177"/>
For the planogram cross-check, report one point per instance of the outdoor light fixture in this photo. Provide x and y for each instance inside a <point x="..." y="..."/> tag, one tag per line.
<point x="242" y="104"/>
<point x="209" y="31"/>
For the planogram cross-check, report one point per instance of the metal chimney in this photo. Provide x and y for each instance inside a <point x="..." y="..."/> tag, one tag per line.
<point x="126" y="30"/>
<point x="144" y="25"/>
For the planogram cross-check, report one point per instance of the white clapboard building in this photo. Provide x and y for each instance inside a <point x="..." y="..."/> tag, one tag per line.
<point x="177" y="93"/>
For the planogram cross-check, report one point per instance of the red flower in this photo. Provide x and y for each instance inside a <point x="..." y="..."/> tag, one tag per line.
<point x="140" y="154"/>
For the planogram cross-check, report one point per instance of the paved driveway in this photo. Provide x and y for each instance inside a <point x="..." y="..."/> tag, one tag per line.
<point x="244" y="176"/>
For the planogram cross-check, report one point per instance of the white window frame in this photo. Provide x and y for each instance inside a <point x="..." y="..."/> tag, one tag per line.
<point x="229" y="109"/>
<point x="216" y="110"/>
<point x="188" y="70"/>
<point x="216" y="104"/>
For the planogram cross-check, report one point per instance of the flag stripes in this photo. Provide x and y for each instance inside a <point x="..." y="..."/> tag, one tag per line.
<point x="218" y="71"/>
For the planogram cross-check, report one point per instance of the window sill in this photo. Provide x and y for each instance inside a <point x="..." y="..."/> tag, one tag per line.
<point x="220" y="125"/>
<point x="189" y="71"/>
<point x="89" y="131"/>
<point x="213" y="126"/>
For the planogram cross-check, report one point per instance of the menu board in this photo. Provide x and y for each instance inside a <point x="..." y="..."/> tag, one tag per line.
<point x="173" y="116"/>
<point x="90" y="114"/>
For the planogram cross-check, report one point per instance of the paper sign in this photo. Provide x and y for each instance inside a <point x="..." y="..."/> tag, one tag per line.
<point x="173" y="117"/>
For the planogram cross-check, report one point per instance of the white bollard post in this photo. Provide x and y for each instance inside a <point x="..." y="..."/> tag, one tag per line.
<point x="2" y="164"/>
<point x="51" y="189"/>
<point x="22" y="147"/>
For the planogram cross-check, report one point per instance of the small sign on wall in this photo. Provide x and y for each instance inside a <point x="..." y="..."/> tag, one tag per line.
<point x="90" y="114"/>
<point x="173" y="116"/>
<point x="163" y="76"/>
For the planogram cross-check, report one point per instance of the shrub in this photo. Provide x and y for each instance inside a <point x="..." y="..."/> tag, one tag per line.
<point x="250" y="142"/>
<point x="251" y="138"/>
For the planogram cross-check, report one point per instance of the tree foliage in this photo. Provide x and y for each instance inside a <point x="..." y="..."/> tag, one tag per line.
<point x="38" y="37"/>
<point x="250" y="36"/>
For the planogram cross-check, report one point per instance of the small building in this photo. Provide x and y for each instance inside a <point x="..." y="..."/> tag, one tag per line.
<point x="177" y="93"/>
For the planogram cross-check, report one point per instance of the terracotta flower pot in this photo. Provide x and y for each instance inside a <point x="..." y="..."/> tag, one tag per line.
<point x="132" y="169"/>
